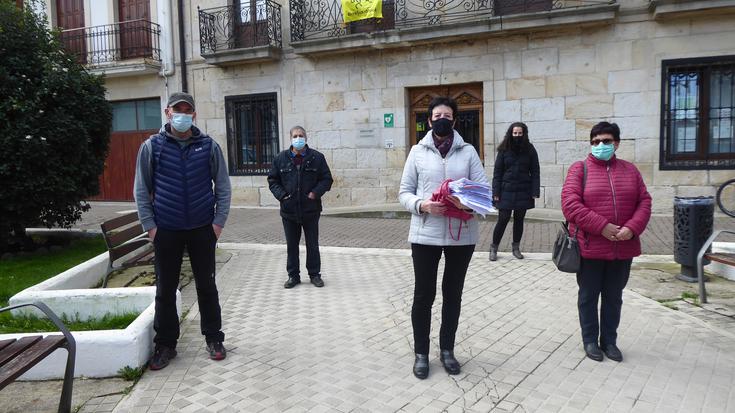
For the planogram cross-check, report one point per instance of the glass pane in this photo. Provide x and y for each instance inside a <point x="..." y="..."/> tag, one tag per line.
<point x="260" y="9"/>
<point x="684" y="107"/>
<point x="123" y="116"/>
<point x="722" y="102"/>
<point x="245" y="11"/>
<point x="244" y="133"/>
<point x="149" y="114"/>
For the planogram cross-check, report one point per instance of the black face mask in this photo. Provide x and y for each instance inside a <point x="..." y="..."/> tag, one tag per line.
<point x="442" y="127"/>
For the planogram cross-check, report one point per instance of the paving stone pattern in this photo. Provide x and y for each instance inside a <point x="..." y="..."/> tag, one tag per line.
<point x="348" y="347"/>
<point x="264" y="226"/>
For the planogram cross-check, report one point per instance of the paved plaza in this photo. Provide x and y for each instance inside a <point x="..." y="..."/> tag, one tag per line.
<point x="348" y="347"/>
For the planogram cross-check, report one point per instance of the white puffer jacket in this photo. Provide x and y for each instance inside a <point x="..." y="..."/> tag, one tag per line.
<point x="423" y="173"/>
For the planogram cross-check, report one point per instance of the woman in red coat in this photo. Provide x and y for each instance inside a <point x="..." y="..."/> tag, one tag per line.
<point x="610" y="212"/>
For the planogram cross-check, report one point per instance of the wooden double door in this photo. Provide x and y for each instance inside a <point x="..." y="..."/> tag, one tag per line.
<point x="116" y="182"/>
<point x="135" y="29"/>
<point x="133" y="33"/>
<point x="469" y="117"/>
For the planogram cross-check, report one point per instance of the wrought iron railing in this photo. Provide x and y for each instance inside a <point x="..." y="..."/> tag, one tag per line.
<point x="240" y="26"/>
<point x="316" y="19"/>
<point x="114" y="42"/>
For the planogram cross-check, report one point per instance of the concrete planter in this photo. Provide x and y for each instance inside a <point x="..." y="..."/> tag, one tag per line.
<point x="99" y="353"/>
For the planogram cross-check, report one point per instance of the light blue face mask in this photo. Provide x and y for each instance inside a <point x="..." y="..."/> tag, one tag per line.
<point x="182" y="121"/>
<point x="603" y="152"/>
<point x="298" y="143"/>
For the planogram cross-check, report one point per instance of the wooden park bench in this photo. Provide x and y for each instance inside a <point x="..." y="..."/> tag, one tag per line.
<point x="721" y="257"/>
<point x="123" y="236"/>
<point x="18" y="355"/>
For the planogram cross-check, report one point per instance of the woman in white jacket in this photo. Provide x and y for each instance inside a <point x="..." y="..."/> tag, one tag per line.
<point x="440" y="155"/>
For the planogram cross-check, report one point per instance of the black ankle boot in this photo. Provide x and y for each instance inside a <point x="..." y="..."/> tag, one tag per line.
<point x="493" y="252"/>
<point x="451" y="365"/>
<point x="517" y="250"/>
<point x="421" y="366"/>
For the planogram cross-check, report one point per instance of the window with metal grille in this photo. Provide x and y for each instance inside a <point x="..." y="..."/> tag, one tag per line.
<point x="252" y="133"/>
<point x="697" y="113"/>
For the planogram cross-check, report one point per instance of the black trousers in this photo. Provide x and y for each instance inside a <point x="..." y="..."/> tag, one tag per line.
<point x="503" y="218"/>
<point x="606" y="279"/>
<point x="292" y="229"/>
<point x="169" y="246"/>
<point x="425" y="267"/>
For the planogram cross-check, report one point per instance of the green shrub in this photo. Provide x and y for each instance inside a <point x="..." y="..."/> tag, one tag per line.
<point x="56" y="127"/>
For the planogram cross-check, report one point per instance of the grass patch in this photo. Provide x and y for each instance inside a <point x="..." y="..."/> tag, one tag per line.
<point x="19" y="273"/>
<point x="33" y="324"/>
<point x="670" y="304"/>
<point x="690" y="295"/>
<point x="130" y="374"/>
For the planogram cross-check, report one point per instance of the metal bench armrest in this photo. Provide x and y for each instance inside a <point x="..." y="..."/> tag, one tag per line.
<point x="700" y="258"/>
<point x="71" y="348"/>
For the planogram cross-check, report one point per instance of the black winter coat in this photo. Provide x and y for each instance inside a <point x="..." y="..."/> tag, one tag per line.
<point x="516" y="179"/>
<point x="291" y="185"/>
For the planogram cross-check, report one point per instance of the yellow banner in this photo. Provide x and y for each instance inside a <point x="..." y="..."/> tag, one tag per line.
<point x="353" y="10"/>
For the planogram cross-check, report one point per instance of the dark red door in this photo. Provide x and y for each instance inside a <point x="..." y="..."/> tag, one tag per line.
<point x="116" y="182"/>
<point x="251" y="23"/>
<point x="135" y="30"/>
<point x="70" y="16"/>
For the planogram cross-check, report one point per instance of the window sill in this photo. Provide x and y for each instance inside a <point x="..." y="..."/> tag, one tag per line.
<point x="133" y="67"/>
<point x="244" y="55"/>
<point x="663" y="9"/>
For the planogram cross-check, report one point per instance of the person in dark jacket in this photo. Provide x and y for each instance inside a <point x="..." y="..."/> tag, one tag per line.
<point x="299" y="177"/>
<point x="516" y="182"/>
<point x="182" y="191"/>
<point x="610" y="210"/>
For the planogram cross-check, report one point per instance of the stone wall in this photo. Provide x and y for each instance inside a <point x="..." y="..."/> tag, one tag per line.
<point x="560" y="82"/>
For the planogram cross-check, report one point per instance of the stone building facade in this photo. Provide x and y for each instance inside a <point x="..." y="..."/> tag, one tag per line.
<point x="660" y="69"/>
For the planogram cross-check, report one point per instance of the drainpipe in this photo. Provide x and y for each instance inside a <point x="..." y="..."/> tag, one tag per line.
<point x="182" y="47"/>
<point x="167" y="38"/>
<point x="167" y="42"/>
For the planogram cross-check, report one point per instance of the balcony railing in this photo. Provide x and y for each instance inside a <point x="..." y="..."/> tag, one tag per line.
<point x="114" y="42"/>
<point x="240" y="26"/>
<point x="319" y="19"/>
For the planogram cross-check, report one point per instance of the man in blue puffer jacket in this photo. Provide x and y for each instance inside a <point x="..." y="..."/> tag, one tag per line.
<point x="181" y="209"/>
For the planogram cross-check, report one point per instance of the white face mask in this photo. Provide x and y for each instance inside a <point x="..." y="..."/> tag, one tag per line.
<point x="298" y="142"/>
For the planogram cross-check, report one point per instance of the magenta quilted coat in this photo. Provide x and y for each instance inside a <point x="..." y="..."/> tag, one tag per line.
<point x="614" y="193"/>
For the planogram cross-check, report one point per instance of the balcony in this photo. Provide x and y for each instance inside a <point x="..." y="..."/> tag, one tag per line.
<point x="119" y="49"/>
<point x="663" y="9"/>
<point x="317" y="26"/>
<point x="241" y="33"/>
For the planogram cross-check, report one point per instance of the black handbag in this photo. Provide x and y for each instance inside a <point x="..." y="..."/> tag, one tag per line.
<point x="566" y="255"/>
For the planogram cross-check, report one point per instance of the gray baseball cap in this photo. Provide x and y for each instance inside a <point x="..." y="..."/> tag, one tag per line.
<point x="179" y="97"/>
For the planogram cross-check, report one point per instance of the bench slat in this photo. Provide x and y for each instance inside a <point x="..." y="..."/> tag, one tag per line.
<point x="20" y="345"/>
<point x="123" y="250"/>
<point x="723" y="257"/>
<point x="141" y="259"/>
<point x="29" y="358"/>
<point x="5" y="343"/>
<point x="121" y="237"/>
<point x="120" y="221"/>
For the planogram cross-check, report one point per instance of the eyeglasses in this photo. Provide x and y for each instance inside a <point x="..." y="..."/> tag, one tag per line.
<point x="595" y="142"/>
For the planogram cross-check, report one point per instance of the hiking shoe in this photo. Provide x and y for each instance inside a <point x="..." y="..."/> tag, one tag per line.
<point x="216" y="350"/>
<point x="161" y="357"/>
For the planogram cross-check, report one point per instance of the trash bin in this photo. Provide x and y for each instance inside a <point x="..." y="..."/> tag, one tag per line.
<point x="693" y="221"/>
